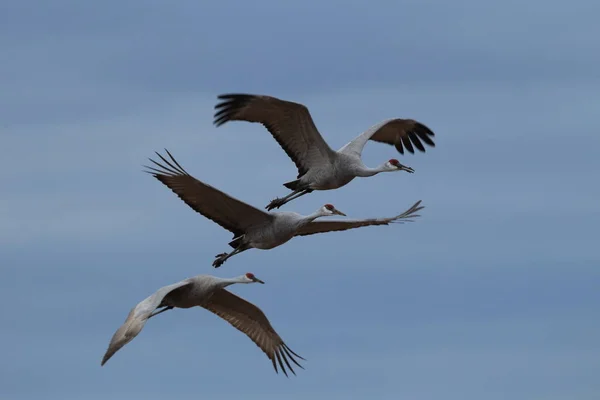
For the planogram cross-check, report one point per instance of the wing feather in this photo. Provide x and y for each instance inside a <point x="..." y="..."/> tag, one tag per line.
<point x="290" y="124"/>
<point x="249" y="319"/>
<point x="227" y="211"/>
<point x="341" y="225"/>
<point x="137" y="318"/>
<point x="400" y="133"/>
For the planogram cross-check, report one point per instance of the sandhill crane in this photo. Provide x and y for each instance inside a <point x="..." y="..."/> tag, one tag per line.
<point x="208" y="292"/>
<point x="320" y="167"/>
<point x="251" y="227"/>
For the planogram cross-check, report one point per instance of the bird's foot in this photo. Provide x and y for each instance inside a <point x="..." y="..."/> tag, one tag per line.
<point x="275" y="203"/>
<point x="220" y="259"/>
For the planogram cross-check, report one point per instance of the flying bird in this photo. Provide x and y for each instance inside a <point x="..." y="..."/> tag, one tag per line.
<point x="320" y="167"/>
<point x="252" y="227"/>
<point x="208" y="292"/>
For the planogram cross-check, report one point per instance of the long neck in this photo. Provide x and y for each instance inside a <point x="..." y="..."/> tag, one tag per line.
<point x="224" y="282"/>
<point x="311" y="217"/>
<point x="364" y="171"/>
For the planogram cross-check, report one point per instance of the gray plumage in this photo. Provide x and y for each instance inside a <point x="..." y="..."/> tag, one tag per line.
<point x="208" y="292"/>
<point x="320" y="167"/>
<point x="251" y="227"/>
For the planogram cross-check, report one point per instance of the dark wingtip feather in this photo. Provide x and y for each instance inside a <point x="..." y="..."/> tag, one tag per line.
<point x="424" y="133"/>
<point x="424" y="128"/>
<point x="274" y="365"/>
<point x="398" y="146"/>
<point x="287" y="362"/>
<point x="287" y="351"/>
<point x="279" y="358"/>
<point x="415" y="141"/>
<point x="410" y="213"/>
<point x="415" y="136"/>
<point x="281" y="363"/>
<point x="234" y="96"/>
<point x="291" y="351"/>
<point x="408" y="144"/>
<point x="169" y="168"/>
<point x="230" y="104"/>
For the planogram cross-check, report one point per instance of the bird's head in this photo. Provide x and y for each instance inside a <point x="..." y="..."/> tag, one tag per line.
<point x="329" y="209"/>
<point x="251" y="278"/>
<point x="394" y="165"/>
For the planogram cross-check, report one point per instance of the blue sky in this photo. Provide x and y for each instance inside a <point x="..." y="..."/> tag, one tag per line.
<point x="492" y="294"/>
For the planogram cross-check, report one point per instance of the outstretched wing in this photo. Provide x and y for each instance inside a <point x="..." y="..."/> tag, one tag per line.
<point x="397" y="132"/>
<point x="290" y="124"/>
<point x="330" y="226"/>
<point x="249" y="319"/>
<point x="232" y="214"/>
<point x="136" y="320"/>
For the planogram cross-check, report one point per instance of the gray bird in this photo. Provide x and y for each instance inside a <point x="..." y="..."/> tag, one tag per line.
<point x="251" y="227"/>
<point x="208" y="292"/>
<point x="319" y="166"/>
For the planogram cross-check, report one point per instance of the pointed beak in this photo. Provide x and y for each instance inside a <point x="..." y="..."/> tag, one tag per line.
<point x="338" y="212"/>
<point x="258" y="280"/>
<point x="405" y="168"/>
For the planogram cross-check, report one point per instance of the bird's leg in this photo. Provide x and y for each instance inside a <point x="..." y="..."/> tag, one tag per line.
<point x="222" y="257"/>
<point x="278" y="202"/>
<point x="302" y="193"/>
<point x="167" y="308"/>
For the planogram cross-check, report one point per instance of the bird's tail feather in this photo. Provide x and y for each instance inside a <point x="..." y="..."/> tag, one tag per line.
<point x="236" y="242"/>
<point x="292" y="185"/>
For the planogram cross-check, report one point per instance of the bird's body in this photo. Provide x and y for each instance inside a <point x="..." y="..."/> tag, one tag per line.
<point x="198" y="291"/>
<point x="280" y="230"/>
<point x="208" y="292"/>
<point x="319" y="166"/>
<point x="340" y="171"/>
<point x="251" y="227"/>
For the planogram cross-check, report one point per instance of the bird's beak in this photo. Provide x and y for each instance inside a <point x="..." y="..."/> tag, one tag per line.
<point x="336" y="211"/>
<point x="258" y="280"/>
<point x="405" y="168"/>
